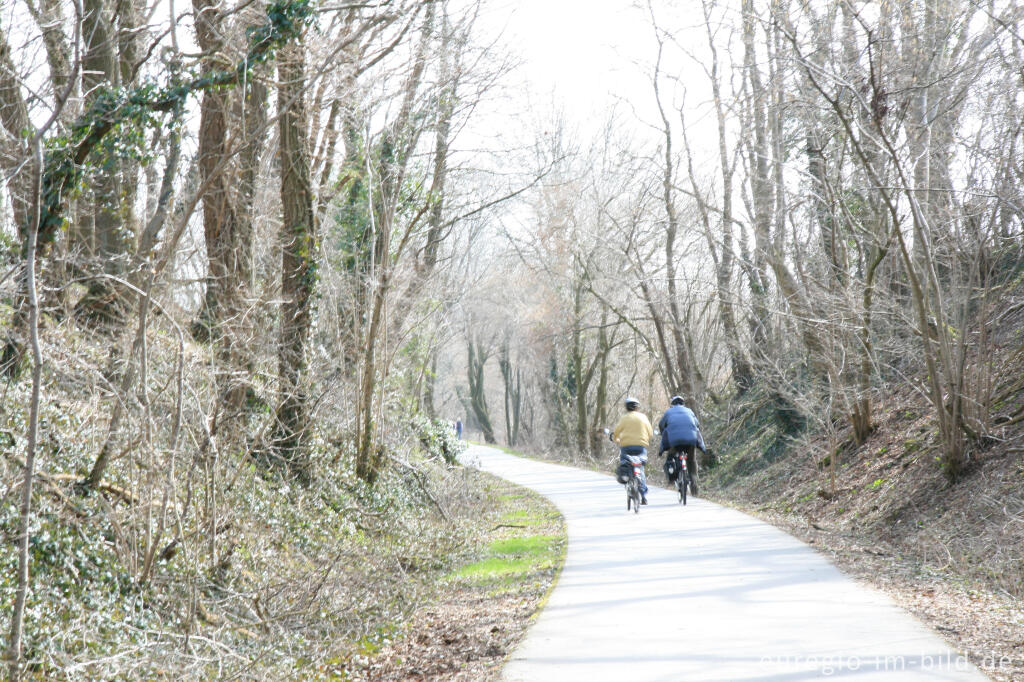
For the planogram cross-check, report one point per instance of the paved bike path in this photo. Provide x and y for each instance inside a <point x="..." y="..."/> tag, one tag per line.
<point x="702" y="592"/>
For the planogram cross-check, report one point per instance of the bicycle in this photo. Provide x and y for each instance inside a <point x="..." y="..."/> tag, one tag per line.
<point x="630" y="474"/>
<point x="632" y="482"/>
<point x="677" y="462"/>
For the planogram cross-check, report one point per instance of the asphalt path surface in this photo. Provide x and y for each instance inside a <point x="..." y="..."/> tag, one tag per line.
<point x="702" y="592"/>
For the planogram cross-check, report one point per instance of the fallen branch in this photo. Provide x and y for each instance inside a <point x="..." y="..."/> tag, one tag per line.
<point x="125" y="495"/>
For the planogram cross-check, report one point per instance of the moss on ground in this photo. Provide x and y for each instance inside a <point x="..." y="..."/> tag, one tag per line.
<point x="514" y="560"/>
<point x="525" y="544"/>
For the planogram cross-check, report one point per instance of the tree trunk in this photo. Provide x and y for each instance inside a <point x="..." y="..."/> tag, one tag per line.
<point x="512" y="379"/>
<point x="429" y="386"/>
<point x="14" y="153"/>
<point x="298" y="263"/>
<point x="215" y="172"/>
<point x="376" y="254"/>
<point x="229" y="176"/>
<point x="438" y="229"/>
<point x="604" y="346"/>
<point x="114" y="187"/>
<point x="757" y="153"/>
<point x="477" y="358"/>
<point x="14" y="653"/>
<point x="741" y="369"/>
<point x="682" y="379"/>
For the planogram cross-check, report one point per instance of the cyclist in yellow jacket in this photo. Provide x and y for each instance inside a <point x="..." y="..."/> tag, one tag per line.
<point x="633" y="434"/>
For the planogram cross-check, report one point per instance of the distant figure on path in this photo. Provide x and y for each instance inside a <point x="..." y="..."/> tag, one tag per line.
<point x="458" y="429"/>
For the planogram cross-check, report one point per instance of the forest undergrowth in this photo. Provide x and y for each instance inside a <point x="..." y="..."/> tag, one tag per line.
<point x="199" y="565"/>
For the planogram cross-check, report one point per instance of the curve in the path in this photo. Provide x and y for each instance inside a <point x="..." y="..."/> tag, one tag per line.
<point x="702" y="592"/>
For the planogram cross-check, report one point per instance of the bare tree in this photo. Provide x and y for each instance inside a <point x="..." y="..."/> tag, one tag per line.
<point x="512" y="377"/>
<point x="720" y="242"/>
<point x="936" y="293"/>
<point x="298" y="262"/>
<point x="114" y="53"/>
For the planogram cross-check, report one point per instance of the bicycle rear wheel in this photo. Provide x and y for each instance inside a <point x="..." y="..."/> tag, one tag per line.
<point x="681" y="484"/>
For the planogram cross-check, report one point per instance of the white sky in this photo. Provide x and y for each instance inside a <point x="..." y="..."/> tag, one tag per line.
<point x="582" y="51"/>
<point x="576" y="56"/>
<point x="584" y="57"/>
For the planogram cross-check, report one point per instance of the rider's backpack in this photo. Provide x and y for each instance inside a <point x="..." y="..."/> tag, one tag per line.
<point x="624" y="471"/>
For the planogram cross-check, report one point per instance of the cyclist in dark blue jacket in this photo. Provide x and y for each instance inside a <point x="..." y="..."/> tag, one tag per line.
<point x="680" y="431"/>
